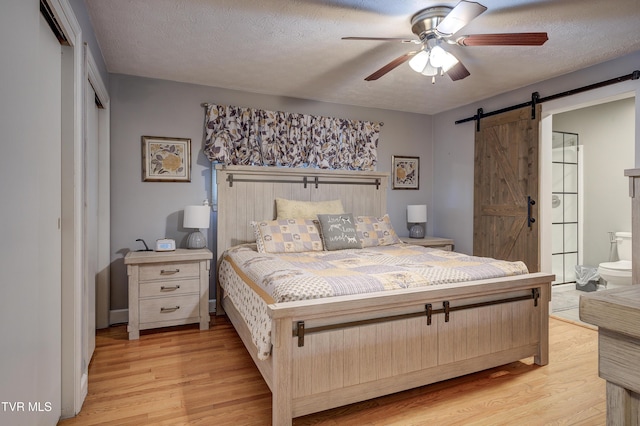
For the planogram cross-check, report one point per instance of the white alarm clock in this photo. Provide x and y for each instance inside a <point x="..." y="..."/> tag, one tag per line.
<point x="165" y="244"/>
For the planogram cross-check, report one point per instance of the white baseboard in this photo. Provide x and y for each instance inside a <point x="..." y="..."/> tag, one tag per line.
<point x="121" y="316"/>
<point x="118" y="316"/>
<point x="84" y="386"/>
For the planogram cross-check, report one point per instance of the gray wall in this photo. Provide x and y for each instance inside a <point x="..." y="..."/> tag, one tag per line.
<point x="606" y="135"/>
<point x="454" y="145"/>
<point x="143" y="106"/>
<point x="149" y="210"/>
<point x="30" y="311"/>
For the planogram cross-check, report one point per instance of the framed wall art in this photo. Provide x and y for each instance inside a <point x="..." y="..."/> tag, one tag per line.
<point x="166" y="159"/>
<point x="405" y="172"/>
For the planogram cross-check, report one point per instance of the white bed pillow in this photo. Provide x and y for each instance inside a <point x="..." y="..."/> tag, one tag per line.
<point x="293" y="209"/>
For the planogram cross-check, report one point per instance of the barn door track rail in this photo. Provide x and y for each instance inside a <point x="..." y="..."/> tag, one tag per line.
<point x="536" y="99"/>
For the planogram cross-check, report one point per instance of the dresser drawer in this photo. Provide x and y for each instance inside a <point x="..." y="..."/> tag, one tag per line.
<point x="169" y="308"/>
<point x="169" y="270"/>
<point x="169" y="288"/>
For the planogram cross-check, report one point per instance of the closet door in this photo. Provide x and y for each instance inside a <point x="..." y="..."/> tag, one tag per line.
<point x="92" y="240"/>
<point x="45" y="163"/>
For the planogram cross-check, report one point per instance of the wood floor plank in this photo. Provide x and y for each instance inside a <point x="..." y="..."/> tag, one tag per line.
<point x="183" y="376"/>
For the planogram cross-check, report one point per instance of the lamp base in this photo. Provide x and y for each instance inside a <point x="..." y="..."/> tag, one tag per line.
<point x="196" y="240"/>
<point x="416" y="231"/>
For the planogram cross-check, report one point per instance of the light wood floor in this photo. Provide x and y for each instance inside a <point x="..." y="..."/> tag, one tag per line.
<point x="181" y="375"/>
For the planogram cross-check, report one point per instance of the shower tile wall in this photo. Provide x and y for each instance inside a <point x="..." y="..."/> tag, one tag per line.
<point x="564" y="204"/>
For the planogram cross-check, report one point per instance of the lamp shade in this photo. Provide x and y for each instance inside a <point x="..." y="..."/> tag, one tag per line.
<point x="197" y="217"/>
<point x="417" y="213"/>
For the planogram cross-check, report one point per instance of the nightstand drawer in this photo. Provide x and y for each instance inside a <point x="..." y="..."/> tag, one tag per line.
<point x="169" y="308"/>
<point x="433" y="242"/>
<point x="169" y="288"/>
<point x="169" y="270"/>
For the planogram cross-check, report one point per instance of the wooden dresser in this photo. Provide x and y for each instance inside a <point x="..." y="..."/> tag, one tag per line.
<point x="168" y="288"/>
<point x="616" y="312"/>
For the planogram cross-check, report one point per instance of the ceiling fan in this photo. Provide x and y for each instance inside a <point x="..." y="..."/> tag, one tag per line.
<point x="435" y="26"/>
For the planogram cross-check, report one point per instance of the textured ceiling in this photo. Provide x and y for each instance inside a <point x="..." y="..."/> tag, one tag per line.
<point x="293" y="47"/>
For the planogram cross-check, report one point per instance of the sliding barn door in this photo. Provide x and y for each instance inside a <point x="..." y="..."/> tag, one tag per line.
<point x="505" y="224"/>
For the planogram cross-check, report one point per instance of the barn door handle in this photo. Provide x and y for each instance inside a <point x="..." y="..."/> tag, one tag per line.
<point x="530" y="202"/>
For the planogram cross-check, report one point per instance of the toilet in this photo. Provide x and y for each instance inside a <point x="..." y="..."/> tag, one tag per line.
<point x="618" y="273"/>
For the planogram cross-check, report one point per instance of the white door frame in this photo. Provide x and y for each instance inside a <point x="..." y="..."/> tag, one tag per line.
<point x="72" y="392"/>
<point x="74" y="377"/>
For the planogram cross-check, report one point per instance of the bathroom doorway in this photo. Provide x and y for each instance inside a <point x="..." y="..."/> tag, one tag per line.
<point x="605" y="124"/>
<point x="606" y="148"/>
<point x="600" y="135"/>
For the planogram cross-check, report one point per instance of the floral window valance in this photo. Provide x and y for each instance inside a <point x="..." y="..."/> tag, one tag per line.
<point x="246" y="136"/>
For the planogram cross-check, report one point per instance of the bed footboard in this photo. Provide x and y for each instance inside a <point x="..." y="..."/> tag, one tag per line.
<point x="337" y="364"/>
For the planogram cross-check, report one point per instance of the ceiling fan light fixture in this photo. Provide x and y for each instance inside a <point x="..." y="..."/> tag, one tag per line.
<point x="449" y="61"/>
<point x="418" y="62"/>
<point x="438" y="24"/>
<point x="437" y="57"/>
<point x="430" y="70"/>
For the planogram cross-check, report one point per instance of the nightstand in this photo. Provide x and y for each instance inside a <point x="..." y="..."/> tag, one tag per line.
<point x="167" y="288"/>
<point x="434" y="242"/>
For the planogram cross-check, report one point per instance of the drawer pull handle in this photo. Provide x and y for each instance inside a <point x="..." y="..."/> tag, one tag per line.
<point x="167" y="288"/>
<point x="169" y="271"/>
<point x="171" y="309"/>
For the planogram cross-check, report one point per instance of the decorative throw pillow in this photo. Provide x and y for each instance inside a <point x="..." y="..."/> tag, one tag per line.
<point x="287" y="236"/>
<point x="338" y="231"/>
<point x="288" y="209"/>
<point x="376" y="231"/>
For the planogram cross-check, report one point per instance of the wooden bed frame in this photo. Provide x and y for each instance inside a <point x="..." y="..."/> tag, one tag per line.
<point x="336" y="351"/>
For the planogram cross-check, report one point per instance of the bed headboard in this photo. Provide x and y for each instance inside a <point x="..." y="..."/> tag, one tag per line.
<point x="248" y="193"/>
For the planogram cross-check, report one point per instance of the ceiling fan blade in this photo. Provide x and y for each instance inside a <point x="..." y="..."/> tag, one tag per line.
<point x="508" y="39"/>
<point x="461" y="15"/>
<point x="400" y="39"/>
<point x="391" y="65"/>
<point x="458" y="72"/>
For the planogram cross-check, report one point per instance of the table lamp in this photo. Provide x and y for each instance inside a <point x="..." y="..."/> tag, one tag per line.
<point x="197" y="217"/>
<point x="416" y="215"/>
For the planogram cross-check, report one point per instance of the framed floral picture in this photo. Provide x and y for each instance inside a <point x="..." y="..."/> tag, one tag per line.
<point x="405" y="172"/>
<point x="166" y="159"/>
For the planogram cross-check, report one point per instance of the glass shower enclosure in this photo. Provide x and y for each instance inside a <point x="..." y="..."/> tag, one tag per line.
<point x="565" y="206"/>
